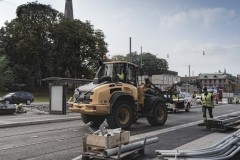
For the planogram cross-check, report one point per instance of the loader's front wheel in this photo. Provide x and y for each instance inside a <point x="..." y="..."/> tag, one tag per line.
<point x="96" y="119"/>
<point x="135" y="118"/>
<point x="121" y="115"/>
<point x="159" y="116"/>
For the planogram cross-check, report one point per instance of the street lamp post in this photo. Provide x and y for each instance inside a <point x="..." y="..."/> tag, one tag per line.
<point x="130" y="49"/>
<point x="141" y="65"/>
<point x="189" y="70"/>
<point x="237" y="85"/>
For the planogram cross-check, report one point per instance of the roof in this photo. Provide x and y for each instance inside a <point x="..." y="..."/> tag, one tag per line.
<point x="63" y="80"/>
<point x="111" y="62"/>
<point x="214" y="75"/>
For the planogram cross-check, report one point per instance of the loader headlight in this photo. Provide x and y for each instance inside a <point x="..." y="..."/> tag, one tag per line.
<point x="87" y="95"/>
<point x="76" y="96"/>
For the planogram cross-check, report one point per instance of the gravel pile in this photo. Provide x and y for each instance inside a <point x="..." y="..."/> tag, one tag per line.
<point x="38" y="109"/>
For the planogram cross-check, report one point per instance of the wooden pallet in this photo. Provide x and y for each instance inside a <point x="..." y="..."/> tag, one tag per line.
<point x="96" y="152"/>
<point x="106" y="142"/>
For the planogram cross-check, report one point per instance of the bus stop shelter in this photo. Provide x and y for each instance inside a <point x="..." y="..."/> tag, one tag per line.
<point x="58" y="92"/>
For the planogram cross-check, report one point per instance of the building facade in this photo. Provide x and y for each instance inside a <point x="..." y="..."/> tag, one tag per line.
<point x="186" y="87"/>
<point x="162" y="81"/>
<point x="218" y="80"/>
<point x="224" y="81"/>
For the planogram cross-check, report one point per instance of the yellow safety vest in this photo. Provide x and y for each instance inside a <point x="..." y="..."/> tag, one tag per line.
<point x="121" y="77"/>
<point x="207" y="100"/>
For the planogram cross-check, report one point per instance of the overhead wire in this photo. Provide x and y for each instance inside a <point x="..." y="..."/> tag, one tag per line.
<point x="200" y="52"/>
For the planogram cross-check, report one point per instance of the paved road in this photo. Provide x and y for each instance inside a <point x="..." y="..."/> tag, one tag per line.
<point x="63" y="141"/>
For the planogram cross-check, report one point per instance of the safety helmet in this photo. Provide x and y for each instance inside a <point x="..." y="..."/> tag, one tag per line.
<point x="205" y="89"/>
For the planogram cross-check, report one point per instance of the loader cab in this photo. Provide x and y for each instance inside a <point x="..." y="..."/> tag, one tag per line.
<point x="117" y="71"/>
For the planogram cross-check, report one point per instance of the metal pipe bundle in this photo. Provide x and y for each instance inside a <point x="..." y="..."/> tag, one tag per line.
<point x="226" y="119"/>
<point x="225" y="149"/>
<point x="230" y="119"/>
<point x="129" y="147"/>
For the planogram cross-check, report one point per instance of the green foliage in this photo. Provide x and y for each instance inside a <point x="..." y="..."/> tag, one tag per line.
<point x="41" y="43"/>
<point x="153" y="65"/>
<point x="119" y="58"/>
<point x="150" y="63"/>
<point x="80" y="48"/>
<point x="6" y="76"/>
<point x="26" y="42"/>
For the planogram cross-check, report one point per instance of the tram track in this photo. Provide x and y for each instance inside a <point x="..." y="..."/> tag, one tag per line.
<point x="43" y="131"/>
<point x="41" y="142"/>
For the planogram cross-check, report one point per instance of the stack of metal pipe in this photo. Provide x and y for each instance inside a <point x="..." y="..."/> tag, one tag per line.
<point x="227" y="148"/>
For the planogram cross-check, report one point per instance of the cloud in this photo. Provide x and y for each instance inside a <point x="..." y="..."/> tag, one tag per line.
<point x="122" y="18"/>
<point x="217" y="57"/>
<point x="205" y="17"/>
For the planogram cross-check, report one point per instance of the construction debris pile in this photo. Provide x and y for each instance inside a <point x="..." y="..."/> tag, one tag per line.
<point x="227" y="148"/>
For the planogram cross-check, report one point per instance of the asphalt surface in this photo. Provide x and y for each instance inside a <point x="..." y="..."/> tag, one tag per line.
<point x="34" y="117"/>
<point x="179" y="131"/>
<point x="49" y="141"/>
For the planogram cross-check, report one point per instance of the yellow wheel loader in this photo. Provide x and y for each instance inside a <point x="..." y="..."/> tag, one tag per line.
<point x="116" y="96"/>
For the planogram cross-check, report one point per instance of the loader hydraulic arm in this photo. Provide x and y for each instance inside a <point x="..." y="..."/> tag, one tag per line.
<point x="149" y="84"/>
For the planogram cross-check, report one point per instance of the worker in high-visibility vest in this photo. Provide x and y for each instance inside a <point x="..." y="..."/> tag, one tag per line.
<point x="176" y="98"/>
<point x="19" y="108"/>
<point x="207" y="104"/>
<point x="120" y="74"/>
<point x="121" y="77"/>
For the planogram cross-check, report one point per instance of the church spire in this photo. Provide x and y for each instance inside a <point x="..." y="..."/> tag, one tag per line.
<point x="68" y="9"/>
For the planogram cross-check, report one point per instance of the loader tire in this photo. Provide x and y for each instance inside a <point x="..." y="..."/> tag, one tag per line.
<point x="96" y="119"/>
<point x="135" y="118"/>
<point x="159" y="116"/>
<point x="187" y="109"/>
<point x="121" y="115"/>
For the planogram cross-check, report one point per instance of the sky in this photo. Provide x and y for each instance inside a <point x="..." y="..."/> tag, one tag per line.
<point x="182" y="29"/>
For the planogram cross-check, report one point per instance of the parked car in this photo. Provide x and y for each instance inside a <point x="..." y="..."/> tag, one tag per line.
<point x="7" y="109"/>
<point x="18" y="97"/>
<point x="198" y="99"/>
<point x="183" y="101"/>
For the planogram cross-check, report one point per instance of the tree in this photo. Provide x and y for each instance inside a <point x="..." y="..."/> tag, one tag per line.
<point x="80" y="48"/>
<point x="41" y="43"/>
<point x="135" y="57"/>
<point x="119" y="58"/>
<point x="151" y="64"/>
<point x="154" y="65"/>
<point x="6" y="76"/>
<point x="27" y="44"/>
